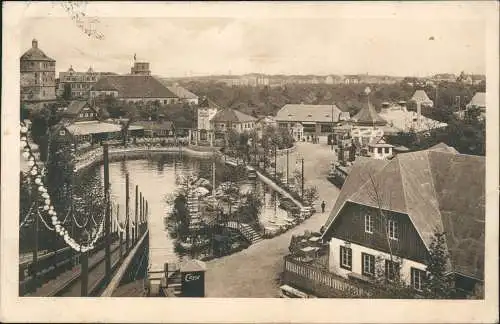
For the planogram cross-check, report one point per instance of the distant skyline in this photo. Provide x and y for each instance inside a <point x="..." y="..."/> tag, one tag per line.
<point x="179" y="47"/>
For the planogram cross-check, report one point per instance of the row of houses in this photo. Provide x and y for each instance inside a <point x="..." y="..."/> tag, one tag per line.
<point x="280" y="81"/>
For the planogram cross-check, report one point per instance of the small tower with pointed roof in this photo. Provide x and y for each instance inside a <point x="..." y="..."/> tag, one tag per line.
<point x="367" y="124"/>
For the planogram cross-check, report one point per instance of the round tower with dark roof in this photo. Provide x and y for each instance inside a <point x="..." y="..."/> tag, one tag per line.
<point x="38" y="75"/>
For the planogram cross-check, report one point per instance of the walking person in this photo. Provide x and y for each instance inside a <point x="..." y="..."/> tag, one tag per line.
<point x="323" y="205"/>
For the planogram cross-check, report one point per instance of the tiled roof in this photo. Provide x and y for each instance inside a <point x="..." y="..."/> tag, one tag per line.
<point x="312" y="113"/>
<point x="368" y="115"/>
<point x="232" y="115"/>
<point x="479" y="100"/>
<point x="182" y="93"/>
<point x="75" y="107"/>
<point x="133" y="86"/>
<point x="438" y="189"/>
<point x="36" y="54"/>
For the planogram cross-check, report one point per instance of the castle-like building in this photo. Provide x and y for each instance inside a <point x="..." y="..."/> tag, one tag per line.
<point x="38" y="76"/>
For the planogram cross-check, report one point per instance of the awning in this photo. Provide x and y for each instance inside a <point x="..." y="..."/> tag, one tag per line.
<point x="94" y="127"/>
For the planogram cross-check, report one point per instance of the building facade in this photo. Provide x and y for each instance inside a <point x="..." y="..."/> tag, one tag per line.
<point x="38" y="76"/>
<point x="419" y="195"/>
<point x="77" y="85"/>
<point x="308" y="121"/>
<point x="227" y="119"/>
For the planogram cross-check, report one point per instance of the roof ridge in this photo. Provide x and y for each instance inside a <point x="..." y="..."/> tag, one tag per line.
<point x="434" y="187"/>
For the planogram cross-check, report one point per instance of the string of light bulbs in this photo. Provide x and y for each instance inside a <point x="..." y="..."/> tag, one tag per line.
<point x="48" y="207"/>
<point x="43" y="221"/>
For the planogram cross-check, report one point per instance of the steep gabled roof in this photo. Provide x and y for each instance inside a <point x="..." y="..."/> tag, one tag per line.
<point x="133" y="86"/>
<point x="76" y="106"/>
<point x="439" y="190"/>
<point x="232" y="115"/>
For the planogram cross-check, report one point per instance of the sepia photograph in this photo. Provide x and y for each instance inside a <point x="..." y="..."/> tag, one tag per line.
<point x="175" y="153"/>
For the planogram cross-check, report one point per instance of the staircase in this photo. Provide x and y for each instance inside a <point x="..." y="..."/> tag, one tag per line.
<point x="247" y="231"/>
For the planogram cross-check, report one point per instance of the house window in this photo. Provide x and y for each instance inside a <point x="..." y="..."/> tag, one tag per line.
<point x="391" y="270"/>
<point x="62" y="132"/>
<point x="368" y="262"/>
<point x="368" y="223"/>
<point x="345" y="258"/>
<point x="392" y="229"/>
<point x="386" y="150"/>
<point x="81" y="115"/>
<point x="417" y="278"/>
<point x="86" y="115"/>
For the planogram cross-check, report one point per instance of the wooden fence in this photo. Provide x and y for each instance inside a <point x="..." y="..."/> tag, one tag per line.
<point x="319" y="282"/>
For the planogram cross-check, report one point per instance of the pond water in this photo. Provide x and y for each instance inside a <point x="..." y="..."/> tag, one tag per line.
<point x="155" y="176"/>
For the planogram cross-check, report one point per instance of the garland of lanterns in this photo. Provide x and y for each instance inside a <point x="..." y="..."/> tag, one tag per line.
<point x="48" y="207"/>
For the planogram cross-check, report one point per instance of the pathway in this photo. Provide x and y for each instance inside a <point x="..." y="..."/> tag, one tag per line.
<point x="254" y="272"/>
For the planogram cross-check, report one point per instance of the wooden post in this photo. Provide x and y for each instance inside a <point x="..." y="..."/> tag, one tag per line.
<point x="140" y="208"/>
<point x="136" y="210"/>
<point x="84" y="259"/>
<point x="127" y="212"/>
<point x="35" y="251"/>
<point x="107" y="221"/>
<point x="121" y="245"/>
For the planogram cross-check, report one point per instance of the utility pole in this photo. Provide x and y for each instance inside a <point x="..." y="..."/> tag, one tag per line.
<point x="331" y="139"/>
<point x="108" y="214"/>
<point x="127" y="211"/>
<point x="287" y="153"/>
<point x="302" y="191"/>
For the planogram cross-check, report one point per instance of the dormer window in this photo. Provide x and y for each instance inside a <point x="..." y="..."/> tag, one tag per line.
<point x="309" y="115"/>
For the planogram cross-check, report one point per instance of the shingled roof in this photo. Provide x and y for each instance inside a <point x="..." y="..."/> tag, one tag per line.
<point x="133" y="86"/>
<point x="232" y="115"/>
<point x="35" y="54"/>
<point x="368" y="116"/>
<point x="438" y="189"/>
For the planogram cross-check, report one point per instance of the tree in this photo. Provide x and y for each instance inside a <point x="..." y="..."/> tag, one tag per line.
<point x="67" y="92"/>
<point x="438" y="284"/>
<point x="311" y="194"/>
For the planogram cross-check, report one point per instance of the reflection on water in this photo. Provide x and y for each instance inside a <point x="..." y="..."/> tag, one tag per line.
<point x="155" y="178"/>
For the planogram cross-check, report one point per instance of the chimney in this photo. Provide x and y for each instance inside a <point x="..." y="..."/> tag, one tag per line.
<point x="34" y="43"/>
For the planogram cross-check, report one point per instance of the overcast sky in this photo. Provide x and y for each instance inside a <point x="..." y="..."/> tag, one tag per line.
<point x="402" y="46"/>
